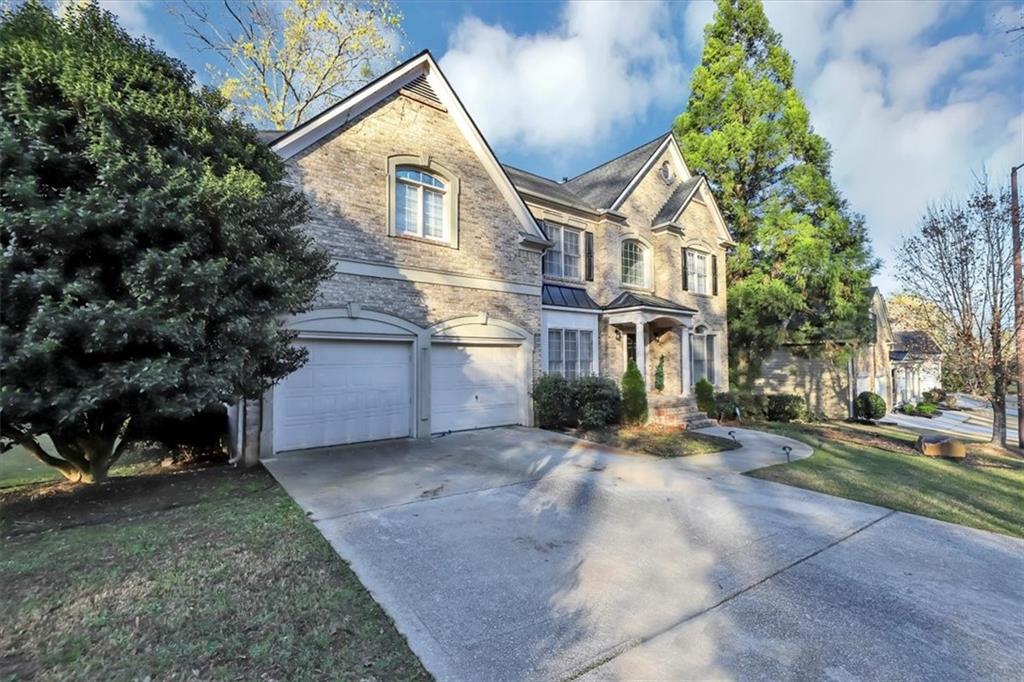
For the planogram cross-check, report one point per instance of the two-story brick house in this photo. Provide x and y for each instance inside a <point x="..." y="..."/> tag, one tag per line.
<point x="459" y="280"/>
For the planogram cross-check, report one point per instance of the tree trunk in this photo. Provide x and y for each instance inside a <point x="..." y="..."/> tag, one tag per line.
<point x="1018" y="302"/>
<point x="999" y="386"/>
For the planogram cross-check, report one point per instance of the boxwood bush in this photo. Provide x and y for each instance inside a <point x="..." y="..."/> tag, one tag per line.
<point x="869" y="406"/>
<point x="705" y="396"/>
<point x="785" y="407"/>
<point x="725" y="406"/>
<point x="590" y="402"/>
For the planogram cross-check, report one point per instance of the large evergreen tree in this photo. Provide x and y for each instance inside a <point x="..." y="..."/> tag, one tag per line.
<point x="803" y="260"/>
<point x="149" y="243"/>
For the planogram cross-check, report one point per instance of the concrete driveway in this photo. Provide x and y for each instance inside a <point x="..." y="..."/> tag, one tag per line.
<point x="515" y="554"/>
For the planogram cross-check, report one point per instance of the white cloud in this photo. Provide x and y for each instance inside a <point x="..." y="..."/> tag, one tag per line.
<point x="603" y="68"/>
<point x="132" y="15"/>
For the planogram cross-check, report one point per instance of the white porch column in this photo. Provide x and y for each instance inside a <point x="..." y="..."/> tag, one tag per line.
<point x="684" y="360"/>
<point x="641" y="351"/>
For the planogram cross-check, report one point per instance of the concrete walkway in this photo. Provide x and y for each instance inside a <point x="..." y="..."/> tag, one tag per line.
<point x="518" y="554"/>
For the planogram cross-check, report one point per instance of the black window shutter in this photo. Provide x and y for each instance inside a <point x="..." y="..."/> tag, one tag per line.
<point x="588" y="254"/>
<point x="543" y="265"/>
<point x="714" y="275"/>
<point x="686" y="275"/>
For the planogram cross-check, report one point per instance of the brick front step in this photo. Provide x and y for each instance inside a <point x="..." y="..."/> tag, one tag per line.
<point x="677" y="411"/>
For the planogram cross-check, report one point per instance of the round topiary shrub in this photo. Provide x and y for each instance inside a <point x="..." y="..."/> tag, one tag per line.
<point x="634" y="395"/>
<point x="869" y="406"/>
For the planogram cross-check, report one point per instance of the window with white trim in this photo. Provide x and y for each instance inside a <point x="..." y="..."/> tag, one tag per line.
<point x="570" y="352"/>
<point x="697" y="268"/>
<point x="563" y="258"/>
<point x="634" y="264"/>
<point x="702" y="356"/>
<point x="420" y="209"/>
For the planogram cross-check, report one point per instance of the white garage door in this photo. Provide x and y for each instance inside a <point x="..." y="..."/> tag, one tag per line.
<point x="348" y="392"/>
<point x="474" y="386"/>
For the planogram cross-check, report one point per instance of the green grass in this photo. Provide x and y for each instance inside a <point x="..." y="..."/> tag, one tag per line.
<point x="985" y="491"/>
<point x="211" y="574"/>
<point x="658" y="441"/>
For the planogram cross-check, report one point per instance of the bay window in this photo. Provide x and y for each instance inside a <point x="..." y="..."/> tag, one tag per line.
<point x="570" y="352"/>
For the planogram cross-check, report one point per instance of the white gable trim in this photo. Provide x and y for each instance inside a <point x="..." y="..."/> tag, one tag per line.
<point x="682" y="171"/>
<point x="339" y="114"/>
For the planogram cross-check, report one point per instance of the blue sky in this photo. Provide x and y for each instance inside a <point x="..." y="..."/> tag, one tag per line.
<point x="915" y="97"/>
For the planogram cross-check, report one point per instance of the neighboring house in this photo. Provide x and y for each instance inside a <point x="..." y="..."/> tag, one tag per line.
<point x="439" y="316"/>
<point x="916" y="365"/>
<point x="829" y="386"/>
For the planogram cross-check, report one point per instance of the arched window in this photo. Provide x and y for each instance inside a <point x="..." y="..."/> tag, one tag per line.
<point x="634" y="264"/>
<point x="420" y="204"/>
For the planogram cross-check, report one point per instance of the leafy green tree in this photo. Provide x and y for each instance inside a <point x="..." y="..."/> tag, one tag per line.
<point x="149" y="244"/>
<point x="803" y="260"/>
<point x="634" y="395"/>
<point x="287" y="61"/>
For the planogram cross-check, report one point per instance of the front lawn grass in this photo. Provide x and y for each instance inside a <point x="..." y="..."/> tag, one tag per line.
<point x="877" y="465"/>
<point x="660" y="441"/>
<point x="202" y="574"/>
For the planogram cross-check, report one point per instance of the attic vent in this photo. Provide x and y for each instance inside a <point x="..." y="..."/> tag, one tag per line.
<point x="421" y="88"/>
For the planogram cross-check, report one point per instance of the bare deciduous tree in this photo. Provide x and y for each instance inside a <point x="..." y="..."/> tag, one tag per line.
<point x="960" y="262"/>
<point x="287" y="62"/>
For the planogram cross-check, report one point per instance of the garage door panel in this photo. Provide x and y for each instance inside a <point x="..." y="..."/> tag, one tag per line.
<point x="348" y="392"/>
<point x="474" y="387"/>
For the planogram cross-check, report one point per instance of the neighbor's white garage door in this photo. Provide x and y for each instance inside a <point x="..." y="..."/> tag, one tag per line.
<point x="474" y="386"/>
<point x="348" y="392"/>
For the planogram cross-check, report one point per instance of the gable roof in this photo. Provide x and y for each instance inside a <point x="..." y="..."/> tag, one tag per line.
<point x="603" y="185"/>
<point x="545" y="188"/>
<point x="678" y="200"/>
<point x="916" y="342"/>
<point x="422" y="74"/>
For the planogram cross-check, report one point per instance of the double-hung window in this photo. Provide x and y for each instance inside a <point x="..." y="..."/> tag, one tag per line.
<point x="563" y="258"/>
<point x="634" y="266"/>
<point x="570" y="352"/>
<point x="702" y="357"/>
<point x="697" y="269"/>
<point x="420" y="204"/>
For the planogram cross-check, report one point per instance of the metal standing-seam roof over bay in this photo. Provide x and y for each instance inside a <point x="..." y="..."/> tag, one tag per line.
<point x="567" y="297"/>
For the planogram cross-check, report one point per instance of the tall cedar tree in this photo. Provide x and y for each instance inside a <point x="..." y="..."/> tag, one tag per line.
<point x="803" y="261"/>
<point x="149" y="243"/>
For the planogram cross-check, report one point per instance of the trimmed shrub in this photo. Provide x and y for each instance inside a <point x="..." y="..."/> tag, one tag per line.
<point x="705" y="396"/>
<point x="908" y="409"/>
<point x="753" y="406"/>
<point x="934" y="396"/>
<point x="659" y="375"/>
<point x="927" y="410"/>
<point x="869" y="406"/>
<point x="634" y="395"/>
<point x="198" y="437"/>
<point x="552" y="402"/>
<point x="725" y="406"/>
<point x="785" y="407"/>
<point x="597" y="401"/>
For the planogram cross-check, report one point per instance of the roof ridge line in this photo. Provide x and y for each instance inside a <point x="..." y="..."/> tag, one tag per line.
<point x="625" y="153"/>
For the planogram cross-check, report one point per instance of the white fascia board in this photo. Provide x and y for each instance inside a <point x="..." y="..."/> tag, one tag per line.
<point x="567" y="309"/>
<point x="476" y="141"/>
<point x="336" y="116"/>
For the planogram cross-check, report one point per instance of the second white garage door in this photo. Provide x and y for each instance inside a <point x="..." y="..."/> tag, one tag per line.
<point x="472" y="387"/>
<point x="348" y="392"/>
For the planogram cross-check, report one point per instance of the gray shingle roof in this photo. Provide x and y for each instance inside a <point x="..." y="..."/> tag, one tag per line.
<point x="916" y="342"/>
<point x="536" y="185"/>
<point x="601" y="186"/>
<point x="680" y="196"/>
<point x="567" y="297"/>
<point x="633" y="299"/>
<point x="268" y="136"/>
